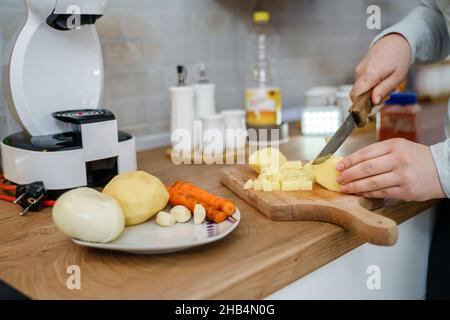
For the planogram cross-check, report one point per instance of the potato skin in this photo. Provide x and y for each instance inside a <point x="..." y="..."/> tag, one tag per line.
<point x="140" y="194"/>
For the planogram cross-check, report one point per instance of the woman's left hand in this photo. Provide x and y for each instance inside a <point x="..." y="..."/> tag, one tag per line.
<point x="395" y="168"/>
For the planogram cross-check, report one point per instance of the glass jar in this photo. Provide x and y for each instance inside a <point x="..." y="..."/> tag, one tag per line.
<point x="399" y="117"/>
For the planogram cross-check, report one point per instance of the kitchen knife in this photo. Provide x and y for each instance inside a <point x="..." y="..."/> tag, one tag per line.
<point x="358" y="117"/>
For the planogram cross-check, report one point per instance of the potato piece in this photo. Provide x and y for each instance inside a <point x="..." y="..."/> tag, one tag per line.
<point x="310" y="175"/>
<point x="286" y="185"/>
<point x="165" y="219"/>
<point x="307" y="185"/>
<point x="140" y="195"/>
<point x="326" y="174"/>
<point x="248" y="185"/>
<point x="291" y="185"/>
<point x="267" y="185"/>
<point x="297" y="165"/>
<point x="181" y="214"/>
<point x="296" y="185"/>
<point x="266" y="158"/>
<point x="271" y="174"/>
<point x="275" y="185"/>
<point x="287" y="174"/>
<point x="308" y="166"/>
<point x="257" y="185"/>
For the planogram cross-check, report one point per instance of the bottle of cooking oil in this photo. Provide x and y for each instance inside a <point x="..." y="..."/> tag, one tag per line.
<point x="263" y="95"/>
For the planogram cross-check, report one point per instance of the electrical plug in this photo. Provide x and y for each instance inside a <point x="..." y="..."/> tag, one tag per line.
<point x="31" y="196"/>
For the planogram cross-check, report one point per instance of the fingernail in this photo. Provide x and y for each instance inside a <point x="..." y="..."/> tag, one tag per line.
<point x="339" y="180"/>
<point x="344" y="188"/>
<point x="340" y="166"/>
<point x="377" y="99"/>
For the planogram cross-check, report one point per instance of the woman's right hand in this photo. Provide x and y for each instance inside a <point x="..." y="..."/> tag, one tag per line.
<point x="383" y="68"/>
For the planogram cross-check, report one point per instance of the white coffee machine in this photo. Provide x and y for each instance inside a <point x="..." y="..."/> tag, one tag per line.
<point x="54" y="87"/>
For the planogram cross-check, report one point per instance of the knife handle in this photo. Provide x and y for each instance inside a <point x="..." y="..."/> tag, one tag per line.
<point x="361" y="108"/>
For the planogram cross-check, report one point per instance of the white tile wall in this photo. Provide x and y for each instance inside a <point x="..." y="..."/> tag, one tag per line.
<point x="143" y="41"/>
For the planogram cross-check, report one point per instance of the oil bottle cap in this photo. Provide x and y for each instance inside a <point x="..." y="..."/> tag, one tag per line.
<point x="261" y="16"/>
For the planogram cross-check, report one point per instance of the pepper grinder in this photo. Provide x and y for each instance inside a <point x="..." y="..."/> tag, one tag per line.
<point x="204" y="93"/>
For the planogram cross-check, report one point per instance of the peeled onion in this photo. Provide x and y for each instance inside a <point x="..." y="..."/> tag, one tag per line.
<point x="89" y="215"/>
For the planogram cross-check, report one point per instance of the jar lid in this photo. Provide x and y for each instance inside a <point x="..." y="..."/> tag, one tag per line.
<point x="402" y="98"/>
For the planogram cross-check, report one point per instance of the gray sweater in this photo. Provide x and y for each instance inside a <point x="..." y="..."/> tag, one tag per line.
<point x="427" y="30"/>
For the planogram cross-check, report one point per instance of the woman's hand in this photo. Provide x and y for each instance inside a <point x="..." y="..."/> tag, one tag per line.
<point x="383" y="68"/>
<point x="395" y="168"/>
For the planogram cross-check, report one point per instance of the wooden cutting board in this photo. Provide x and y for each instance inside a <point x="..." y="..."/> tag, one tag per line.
<point x="351" y="212"/>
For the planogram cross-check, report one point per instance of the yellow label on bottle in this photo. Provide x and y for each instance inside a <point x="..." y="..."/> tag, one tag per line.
<point x="263" y="106"/>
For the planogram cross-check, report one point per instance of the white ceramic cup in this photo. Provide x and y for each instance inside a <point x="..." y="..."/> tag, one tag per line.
<point x="213" y="129"/>
<point x="345" y="88"/>
<point x="343" y="101"/>
<point x="320" y="96"/>
<point x="235" y="129"/>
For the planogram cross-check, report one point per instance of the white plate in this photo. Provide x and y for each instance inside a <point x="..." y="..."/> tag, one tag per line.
<point x="149" y="238"/>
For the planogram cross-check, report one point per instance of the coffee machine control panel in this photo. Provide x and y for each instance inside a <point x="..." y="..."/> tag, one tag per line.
<point x="84" y="116"/>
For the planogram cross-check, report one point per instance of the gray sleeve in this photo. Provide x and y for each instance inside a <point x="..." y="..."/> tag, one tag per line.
<point x="426" y="30"/>
<point x="441" y="157"/>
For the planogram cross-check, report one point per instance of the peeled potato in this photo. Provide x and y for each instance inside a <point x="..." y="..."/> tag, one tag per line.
<point x="266" y="158"/>
<point x="140" y="195"/>
<point x="326" y="174"/>
<point x="88" y="215"/>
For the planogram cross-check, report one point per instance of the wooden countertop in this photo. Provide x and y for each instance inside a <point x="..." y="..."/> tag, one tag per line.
<point x="258" y="258"/>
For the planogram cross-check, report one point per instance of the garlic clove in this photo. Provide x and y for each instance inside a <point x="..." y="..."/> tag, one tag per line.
<point x="165" y="219"/>
<point x="199" y="214"/>
<point x="181" y="214"/>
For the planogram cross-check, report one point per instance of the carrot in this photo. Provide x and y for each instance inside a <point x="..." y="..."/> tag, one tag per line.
<point x="219" y="203"/>
<point x="178" y="197"/>
<point x="215" y="215"/>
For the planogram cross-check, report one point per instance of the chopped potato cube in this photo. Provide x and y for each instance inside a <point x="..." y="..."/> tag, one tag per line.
<point x="276" y="186"/>
<point x="267" y="185"/>
<point x="296" y="185"/>
<point x="269" y="171"/>
<point x="293" y="173"/>
<point x="274" y="177"/>
<point x="293" y="165"/>
<point x="249" y="184"/>
<point x="286" y="185"/>
<point x="308" y="166"/>
<point x="310" y="175"/>
<point x="307" y="185"/>
<point x="257" y="185"/>
<point x="291" y="185"/>
<point x="266" y="158"/>
<point x="270" y="174"/>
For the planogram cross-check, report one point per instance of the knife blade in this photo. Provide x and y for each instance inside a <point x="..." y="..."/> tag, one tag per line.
<point x="337" y="140"/>
<point x="358" y="117"/>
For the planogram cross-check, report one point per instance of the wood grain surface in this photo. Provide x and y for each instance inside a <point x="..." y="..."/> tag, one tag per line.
<point x="319" y="204"/>
<point x="258" y="258"/>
